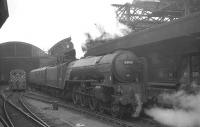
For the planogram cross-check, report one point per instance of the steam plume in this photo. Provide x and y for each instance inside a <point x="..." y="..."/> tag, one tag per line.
<point x="186" y="111"/>
<point x="104" y="36"/>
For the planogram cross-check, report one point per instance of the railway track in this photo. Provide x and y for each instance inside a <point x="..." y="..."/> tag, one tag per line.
<point x="28" y="109"/>
<point x="39" y="115"/>
<point x="16" y="116"/>
<point x="3" y="121"/>
<point x="18" y="99"/>
<point x="19" y="118"/>
<point x="103" y="117"/>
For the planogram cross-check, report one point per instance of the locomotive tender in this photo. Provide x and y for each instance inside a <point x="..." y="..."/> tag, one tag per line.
<point x="111" y="82"/>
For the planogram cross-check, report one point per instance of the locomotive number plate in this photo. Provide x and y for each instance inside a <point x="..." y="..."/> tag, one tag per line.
<point x="128" y="62"/>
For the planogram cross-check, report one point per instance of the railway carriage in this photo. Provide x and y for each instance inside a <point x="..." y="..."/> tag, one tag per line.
<point x="38" y="76"/>
<point x="17" y="80"/>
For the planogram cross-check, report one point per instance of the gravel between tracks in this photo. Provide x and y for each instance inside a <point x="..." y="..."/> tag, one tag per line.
<point x="130" y="122"/>
<point x="63" y="116"/>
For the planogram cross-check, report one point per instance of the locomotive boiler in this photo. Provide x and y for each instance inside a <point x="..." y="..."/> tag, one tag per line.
<point x="111" y="82"/>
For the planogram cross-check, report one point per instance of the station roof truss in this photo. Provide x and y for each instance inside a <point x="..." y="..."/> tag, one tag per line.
<point x="177" y="34"/>
<point x="142" y="14"/>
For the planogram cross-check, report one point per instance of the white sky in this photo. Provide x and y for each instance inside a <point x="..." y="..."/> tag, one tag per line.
<point x="45" y="22"/>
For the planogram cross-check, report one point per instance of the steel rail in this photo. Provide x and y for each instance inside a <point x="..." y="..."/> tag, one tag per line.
<point x="27" y="108"/>
<point x="115" y="121"/>
<point x="3" y="121"/>
<point x="6" y="114"/>
<point x="46" y="98"/>
<point x="22" y="112"/>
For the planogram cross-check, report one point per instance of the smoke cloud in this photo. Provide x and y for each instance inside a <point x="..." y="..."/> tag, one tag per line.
<point x="185" y="111"/>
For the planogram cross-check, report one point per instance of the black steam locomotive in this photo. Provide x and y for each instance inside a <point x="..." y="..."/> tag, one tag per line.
<point x="111" y="82"/>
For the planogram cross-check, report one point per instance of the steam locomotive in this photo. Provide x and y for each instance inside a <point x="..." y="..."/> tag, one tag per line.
<point x="110" y="83"/>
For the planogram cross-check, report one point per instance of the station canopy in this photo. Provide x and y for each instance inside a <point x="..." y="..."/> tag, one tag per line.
<point x="19" y="49"/>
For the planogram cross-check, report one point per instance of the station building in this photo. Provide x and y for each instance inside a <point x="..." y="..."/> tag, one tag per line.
<point x="20" y="55"/>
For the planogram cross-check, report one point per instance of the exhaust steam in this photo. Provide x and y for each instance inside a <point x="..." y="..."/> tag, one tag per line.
<point x="185" y="111"/>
